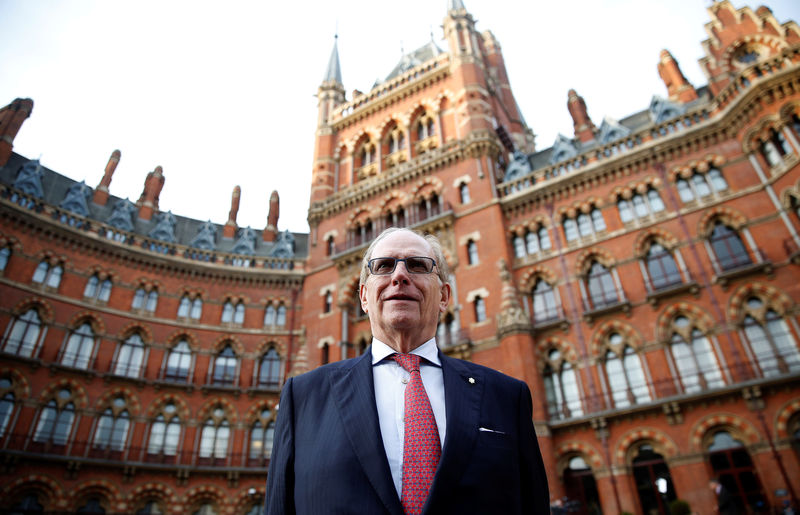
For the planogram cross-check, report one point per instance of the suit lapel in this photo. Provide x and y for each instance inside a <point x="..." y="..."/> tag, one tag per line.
<point x="462" y="406"/>
<point x="355" y="394"/>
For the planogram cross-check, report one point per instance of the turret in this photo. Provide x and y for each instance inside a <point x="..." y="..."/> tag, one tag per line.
<point x="148" y="201"/>
<point x="584" y="128"/>
<point x="678" y="88"/>
<point x="459" y="30"/>
<point x="330" y="94"/>
<point x="101" y="191"/>
<point x="271" y="230"/>
<point x="11" y="118"/>
<point x="229" y="231"/>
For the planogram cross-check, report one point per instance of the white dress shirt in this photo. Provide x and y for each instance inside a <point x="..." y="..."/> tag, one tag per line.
<point x="390" y="386"/>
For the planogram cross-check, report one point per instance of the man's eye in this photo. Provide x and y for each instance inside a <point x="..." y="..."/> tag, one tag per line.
<point x="417" y="265"/>
<point x="384" y="265"/>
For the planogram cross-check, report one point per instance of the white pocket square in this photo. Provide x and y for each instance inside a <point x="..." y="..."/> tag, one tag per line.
<point x="487" y="430"/>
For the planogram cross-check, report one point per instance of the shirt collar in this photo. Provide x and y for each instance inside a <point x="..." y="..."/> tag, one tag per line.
<point x="427" y="350"/>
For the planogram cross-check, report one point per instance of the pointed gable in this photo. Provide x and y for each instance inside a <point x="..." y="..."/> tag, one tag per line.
<point x="612" y="130"/>
<point x="662" y="109"/>
<point x="75" y="199"/>
<point x="29" y="179"/>
<point x="563" y="148"/>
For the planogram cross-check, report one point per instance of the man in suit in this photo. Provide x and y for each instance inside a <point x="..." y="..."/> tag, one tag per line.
<point x="349" y="439"/>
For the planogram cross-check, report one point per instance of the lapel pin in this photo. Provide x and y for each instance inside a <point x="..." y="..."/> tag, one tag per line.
<point x="471" y="380"/>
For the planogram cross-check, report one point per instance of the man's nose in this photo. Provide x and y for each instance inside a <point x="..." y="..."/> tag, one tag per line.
<point x="400" y="274"/>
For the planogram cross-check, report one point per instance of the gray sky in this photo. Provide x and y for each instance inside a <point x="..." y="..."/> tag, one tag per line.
<point x="222" y="93"/>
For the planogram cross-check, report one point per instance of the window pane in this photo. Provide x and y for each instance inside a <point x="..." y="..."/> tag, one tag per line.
<point x="728" y="247"/>
<point x="197" y="309"/>
<point x="625" y="211"/>
<point x="717" y="180"/>
<point x="184" y="306"/>
<point x="598" y="221"/>
<point x="544" y="239"/>
<point x="41" y="272"/>
<point x="79" y="348"/>
<point x="784" y="342"/>
<point x="584" y="224"/>
<point x="639" y="206"/>
<point x="570" y="229"/>
<point x="157" y="432"/>
<point x="6" y="407"/>
<point x="700" y="185"/>
<point x="91" y="287"/>
<point x="662" y="267"/>
<point x="571" y="392"/>
<point x="684" y="191"/>
<point x="617" y="384"/>
<point x="656" y="204"/>
<point x="47" y="420"/>
<point x="24" y="334"/>
<point x="519" y="247"/>
<point x="532" y="242"/>
<point x="105" y="291"/>
<point x="207" y="439"/>
<point x="635" y="373"/>
<point x="54" y="278"/>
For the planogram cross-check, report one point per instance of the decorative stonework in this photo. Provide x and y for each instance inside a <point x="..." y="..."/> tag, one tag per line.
<point x="740" y="428"/>
<point x="512" y="319"/>
<point x="662" y="444"/>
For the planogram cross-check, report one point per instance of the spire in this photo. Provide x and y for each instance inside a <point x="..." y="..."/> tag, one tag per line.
<point x="455" y="5"/>
<point x="11" y="118"/>
<point x="334" y="72"/>
<point x="229" y="231"/>
<point x="584" y="128"/>
<point x="101" y="192"/>
<point x="271" y="230"/>
<point x="678" y="87"/>
<point x="148" y="201"/>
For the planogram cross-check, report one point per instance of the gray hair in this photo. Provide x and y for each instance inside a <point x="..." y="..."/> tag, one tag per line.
<point x="436" y="247"/>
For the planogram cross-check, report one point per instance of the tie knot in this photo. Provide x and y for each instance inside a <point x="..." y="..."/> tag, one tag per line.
<point x="410" y="362"/>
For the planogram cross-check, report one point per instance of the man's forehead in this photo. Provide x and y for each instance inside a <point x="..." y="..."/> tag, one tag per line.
<point x="401" y="244"/>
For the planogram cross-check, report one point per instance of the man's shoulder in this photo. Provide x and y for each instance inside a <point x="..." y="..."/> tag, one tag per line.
<point x="488" y="373"/>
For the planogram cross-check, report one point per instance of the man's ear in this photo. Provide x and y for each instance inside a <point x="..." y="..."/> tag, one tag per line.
<point x="362" y="295"/>
<point x="445" y="300"/>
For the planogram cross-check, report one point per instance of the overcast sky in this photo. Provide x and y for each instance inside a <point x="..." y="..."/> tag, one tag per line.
<point x="222" y="93"/>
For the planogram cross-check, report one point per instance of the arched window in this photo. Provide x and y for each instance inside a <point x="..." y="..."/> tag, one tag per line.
<point x="561" y="387"/>
<point x="262" y="436"/>
<point x="214" y="436"/>
<point x="270" y="315"/>
<point x="151" y="507"/>
<point x="602" y="290"/>
<point x="327" y="305"/>
<point x="472" y="252"/>
<point x="480" y="309"/>
<point x="700" y="185"/>
<point x="238" y="314"/>
<point x="93" y="505"/>
<point x="179" y="362"/>
<point x="80" y="346"/>
<point x="653" y="481"/>
<point x="624" y="374"/>
<point x="165" y="433"/>
<point x="197" y="309"/>
<point x="225" y="367"/>
<point x="5" y="254"/>
<point x="112" y="428"/>
<point x="227" y="312"/>
<point x="770" y="339"/>
<point x="97" y="289"/>
<point x="545" y="305"/>
<point x="152" y="301"/>
<point x="48" y="275"/>
<point x="775" y="147"/>
<point x="731" y="463"/>
<point x="425" y="127"/>
<point x="184" y="307"/>
<point x="728" y="248"/>
<point x="269" y="370"/>
<point x="640" y="205"/>
<point x="23" y="337"/>
<point x="661" y="267"/>
<point x="130" y="357"/>
<point x="463" y="192"/>
<point x="55" y="419"/>
<point x="579" y="485"/>
<point x="6" y="403"/>
<point x="139" y="297"/>
<point x="280" y="318"/>
<point x="519" y="247"/>
<point x="570" y="229"/>
<point x="695" y="361"/>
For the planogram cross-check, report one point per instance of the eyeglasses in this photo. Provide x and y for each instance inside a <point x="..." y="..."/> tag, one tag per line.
<point x="414" y="265"/>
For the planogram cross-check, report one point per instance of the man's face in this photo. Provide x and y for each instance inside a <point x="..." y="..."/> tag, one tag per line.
<point x="403" y="303"/>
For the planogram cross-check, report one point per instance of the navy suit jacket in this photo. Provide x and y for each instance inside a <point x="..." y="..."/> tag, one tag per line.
<point x="328" y="456"/>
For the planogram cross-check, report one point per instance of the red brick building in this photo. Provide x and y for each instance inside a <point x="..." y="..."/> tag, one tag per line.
<point x="640" y="275"/>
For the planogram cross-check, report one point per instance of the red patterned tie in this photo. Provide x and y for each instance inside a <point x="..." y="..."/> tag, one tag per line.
<point x="421" y="446"/>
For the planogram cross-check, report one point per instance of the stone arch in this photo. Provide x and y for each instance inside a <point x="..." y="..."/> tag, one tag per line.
<point x="584" y="450"/>
<point x="134" y="407"/>
<point x="599" y="254"/>
<point x="40" y="483"/>
<point x="774" y="43"/>
<point x="392" y="202"/>
<point x="531" y="275"/>
<point x="102" y="487"/>
<point x="662" y="444"/>
<point x="645" y="238"/>
<point x="701" y="165"/>
<point x="102" y="272"/>
<point x="359" y="216"/>
<point x="202" y="493"/>
<point x="139" y="328"/>
<point x="266" y="344"/>
<point x="178" y="334"/>
<point x="788" y="195"/>
<point x="554" y="342"/>
<point x="731" y="217"/>
<point x="244" y="499"/>
<point x="225" y="339"/>
<point x="739" y="428"/>
<point x="639" y="186"/>
<point x="787" y="411"/>
<point x="230" y="411"/>
<point x="788" y="110"/>
<point x="773" y="298"/>
<point x="180" y="406"/>
<point x="10" y="241"/>
<point x="700" y="318"/>
<point x="630" y="335"/>
<point x="41" y="306"/>
<point x="255" y="410"/>
<point x="20" y="386"/>
<point x="760" y="131"/>
<point x="78" y="392"/>
<point x="426" y="188"/>
<point x="147" y="491"/>
<point x="98" y="327"/>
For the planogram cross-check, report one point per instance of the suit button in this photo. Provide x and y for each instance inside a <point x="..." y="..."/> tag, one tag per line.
<point x="404" y="381"/>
